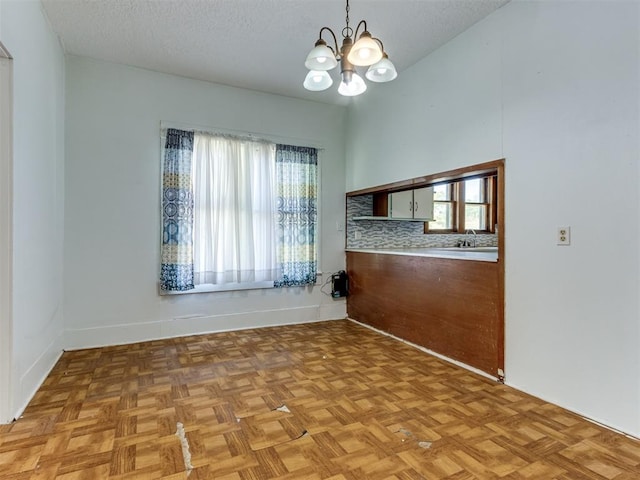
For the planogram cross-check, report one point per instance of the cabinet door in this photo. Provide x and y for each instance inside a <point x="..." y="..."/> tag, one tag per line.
<point x="401" y="204"/>
<point x="423" y="203"/>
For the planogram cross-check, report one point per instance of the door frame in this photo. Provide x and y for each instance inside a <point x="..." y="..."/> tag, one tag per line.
<point x="6" y="235"/>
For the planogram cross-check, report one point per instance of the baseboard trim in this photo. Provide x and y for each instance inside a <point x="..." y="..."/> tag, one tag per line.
<point x="515" y="387"/>
<point x="77" y="339"/>
<point x="36" y="374"/>
<point x="426" y="350"/>
<point x="600" y="423"/>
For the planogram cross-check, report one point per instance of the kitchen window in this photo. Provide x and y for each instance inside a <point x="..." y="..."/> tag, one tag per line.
<point x="444" y="205"/>
<point x="464" y="204"/>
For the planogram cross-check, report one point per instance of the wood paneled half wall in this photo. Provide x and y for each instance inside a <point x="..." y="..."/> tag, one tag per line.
<point x="451" y="307"/>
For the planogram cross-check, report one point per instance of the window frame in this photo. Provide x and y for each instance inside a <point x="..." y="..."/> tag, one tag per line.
<point x="490" y="191"/>
<point x="453" y="196"/>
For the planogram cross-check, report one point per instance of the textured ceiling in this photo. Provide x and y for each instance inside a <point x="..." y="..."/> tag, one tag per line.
<point x="255" y="44"/>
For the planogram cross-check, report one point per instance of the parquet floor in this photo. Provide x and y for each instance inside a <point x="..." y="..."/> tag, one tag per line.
<point x="330" y="400"/>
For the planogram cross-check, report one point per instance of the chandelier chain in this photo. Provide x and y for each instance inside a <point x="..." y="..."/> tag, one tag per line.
<point x="347" y="17"/>
<point x="347" y="31"/>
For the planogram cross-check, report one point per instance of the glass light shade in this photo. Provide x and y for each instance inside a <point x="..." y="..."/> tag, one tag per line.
<point x="317" y="80"/>
<point x="366" y="51"/>
<point x="321" y="58"/>
<point x="383" y="71"/>
<point x="355" y="87"/>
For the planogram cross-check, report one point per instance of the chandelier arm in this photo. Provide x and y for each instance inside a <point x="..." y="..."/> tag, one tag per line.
<point x="380" y="42"/>
<point x="355" y="36"/>
<point x="335" y="40"/>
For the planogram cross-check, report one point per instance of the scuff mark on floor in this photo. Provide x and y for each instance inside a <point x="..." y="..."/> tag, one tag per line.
<point x="283" y="408"/>
<point x="407" y="433"/>
<point x="272" y="428"/>
<point x="186" y="454"/>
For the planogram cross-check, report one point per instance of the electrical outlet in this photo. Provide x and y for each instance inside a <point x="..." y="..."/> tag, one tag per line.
<point x="358" y="235"/>
<point x="564" y="236"/>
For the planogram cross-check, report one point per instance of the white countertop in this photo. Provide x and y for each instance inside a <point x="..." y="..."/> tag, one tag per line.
<point x="483" y="254"/>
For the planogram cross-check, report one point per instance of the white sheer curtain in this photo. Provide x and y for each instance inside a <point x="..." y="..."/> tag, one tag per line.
<point x="234" y="210"/>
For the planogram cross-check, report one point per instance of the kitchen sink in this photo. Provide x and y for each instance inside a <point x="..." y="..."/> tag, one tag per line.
<point x="468" y="249"/>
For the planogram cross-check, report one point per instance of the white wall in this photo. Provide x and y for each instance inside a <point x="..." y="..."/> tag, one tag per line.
<point x="554" y="88"/>
<point x="6" y="232"/>
<point x="113" y="203"/>
<point x="38" y="196"/>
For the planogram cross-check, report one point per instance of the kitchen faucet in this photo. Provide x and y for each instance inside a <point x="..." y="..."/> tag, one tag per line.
<point x="466" y="242"/>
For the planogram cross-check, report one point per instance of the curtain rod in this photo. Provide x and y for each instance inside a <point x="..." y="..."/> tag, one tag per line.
<point x="300" y="142"/>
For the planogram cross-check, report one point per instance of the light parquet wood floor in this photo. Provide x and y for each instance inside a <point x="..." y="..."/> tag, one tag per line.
<point x="330" y="400"/>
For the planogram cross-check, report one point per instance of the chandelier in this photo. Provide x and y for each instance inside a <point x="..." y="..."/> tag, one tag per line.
<point x="367" y="51"/>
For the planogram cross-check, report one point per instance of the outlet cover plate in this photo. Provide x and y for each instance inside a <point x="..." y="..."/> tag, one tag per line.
<point x="564" y="236"/>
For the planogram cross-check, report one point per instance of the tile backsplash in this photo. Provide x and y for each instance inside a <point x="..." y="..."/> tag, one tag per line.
<point x="397" y="234"/>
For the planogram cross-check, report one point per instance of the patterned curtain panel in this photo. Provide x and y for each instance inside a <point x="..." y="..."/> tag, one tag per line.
<point x="296" y="173"/>
<point x="177" y="213"/>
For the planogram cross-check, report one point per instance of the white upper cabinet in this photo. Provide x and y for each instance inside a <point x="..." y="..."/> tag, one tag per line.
<point x="412" y="204"/>
<point x="401" y="204"/>
<point x="423" y="203"/>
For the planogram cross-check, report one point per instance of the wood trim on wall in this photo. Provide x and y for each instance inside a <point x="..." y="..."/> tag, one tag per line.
<point x="500" y="221"/>
<point x="478" y="170"/>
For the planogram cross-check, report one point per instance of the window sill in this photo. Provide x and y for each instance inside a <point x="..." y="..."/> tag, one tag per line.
<point x="231" y="287"/>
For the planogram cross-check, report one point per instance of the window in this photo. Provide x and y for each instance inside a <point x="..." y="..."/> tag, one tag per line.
<point x="443" y="207"/>
<point x="475" y="205"/>
<point x="464" y="204"/>
<point x="237" y="213"/>
<point x="234" y="231"/>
